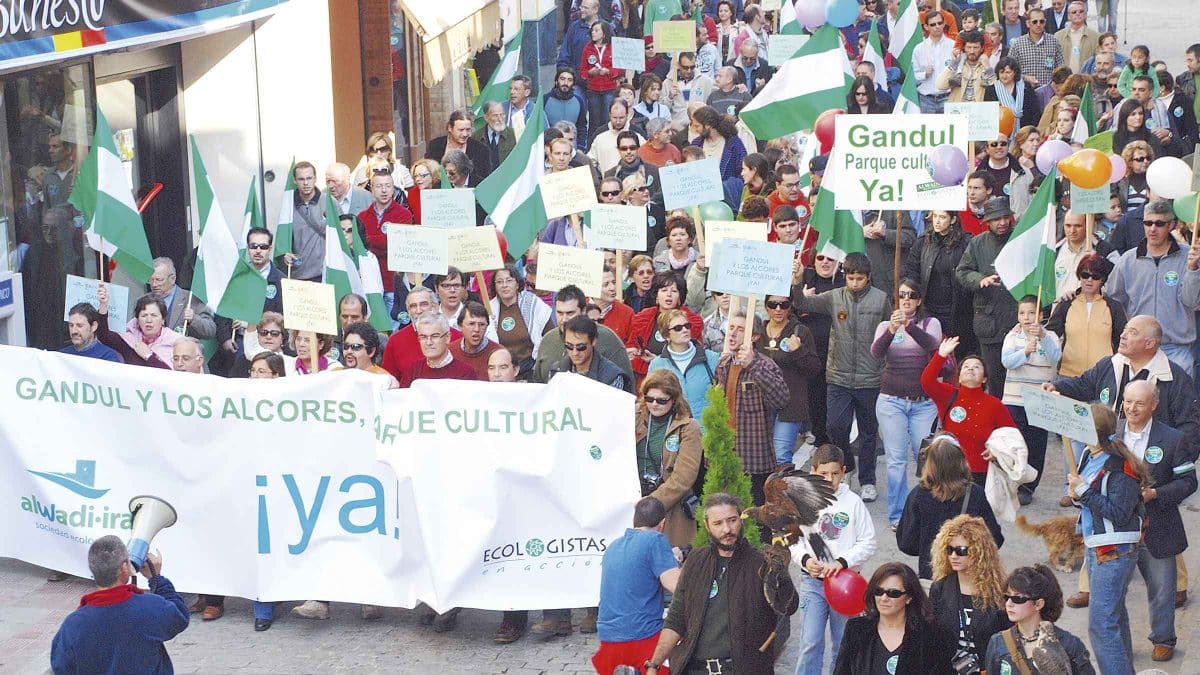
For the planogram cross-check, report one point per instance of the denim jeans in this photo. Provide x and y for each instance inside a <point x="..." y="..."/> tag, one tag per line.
<point x="1180" y="355"/>
<point x="1035" y="442"/>
<point x="1108" y="23"/>
<point x="902" y="425"/>
<point x="785" y="434"/>
<point x="931" y="105"/>
<point x="814" y="612"/>
<point x="598" y="103"/>
<point x="264" y="610"/>
<point x="1159" y="574"/>
<point x="1108" y="619"/>
<point x="845" y="405"/>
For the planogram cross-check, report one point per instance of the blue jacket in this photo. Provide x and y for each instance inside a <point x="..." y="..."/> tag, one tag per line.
<point x="577" y="37"/>
<point x="1112" y="504"/>
<point x="696" y="378"/>
<point x="125" y="637"/>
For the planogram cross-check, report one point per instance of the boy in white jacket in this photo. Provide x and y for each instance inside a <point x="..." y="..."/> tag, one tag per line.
<point x="1031" y="354"/>
<point x="846" y="527"/>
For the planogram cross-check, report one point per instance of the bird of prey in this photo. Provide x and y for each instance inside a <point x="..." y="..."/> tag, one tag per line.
<point x="794" y="499"/>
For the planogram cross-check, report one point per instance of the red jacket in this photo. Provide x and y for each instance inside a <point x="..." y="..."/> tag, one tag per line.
<point x="619" y="319"/>
<point x="377" y="239"/>
<point x="644" y="325"/>
<point x="592" y="58"/>
<point x="973" y="417"/>
<point x="971" y="223"/>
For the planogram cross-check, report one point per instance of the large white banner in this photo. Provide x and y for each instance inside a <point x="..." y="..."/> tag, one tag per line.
<point x="280" y="494"/>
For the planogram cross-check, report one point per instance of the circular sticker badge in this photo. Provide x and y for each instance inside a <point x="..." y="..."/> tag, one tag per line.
<point x="1060" y="272"/>
<point x="1005" y="669"/>
<point x="1105" y="395"/>
<point x="841" y="519"/>
<point x="1007" y="189"/>
<point x="404" y="318"/>
<point x="712" y="592"/>
<point x="802" y="211"/>
<point x="658" y="336"/>
<point x="731" y="109"/>
<point x="1178" y="112"/>
<point x="592" y="60"/>
<point x="958" y="413"/>
<point x="698" y="93"/>
<point x="334" y="354"/>
<point x="651" y="221"/>
<point x="898" y="338"/>
<point x="783" y="346"/>
<point x="272" y="291"/>
<point x="649" y="180"/>
<point x="1171" y="278"/>
<point x="672" y="444"/>
<point x="1049" y="63"/>
<point x="892" y="663"/>
<point x="1154" y="454"/>
<point x="508" y="323"/>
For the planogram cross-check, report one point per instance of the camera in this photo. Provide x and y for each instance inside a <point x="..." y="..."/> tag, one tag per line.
<point x="651" y="480"/>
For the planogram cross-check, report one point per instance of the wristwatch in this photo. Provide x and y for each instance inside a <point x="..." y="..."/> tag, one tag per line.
<point x="650" y="665"/>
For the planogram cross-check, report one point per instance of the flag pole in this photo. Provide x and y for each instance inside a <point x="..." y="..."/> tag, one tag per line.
<point x="896" y="262"/>
<point x="1196" y="222"/>
<point x="619" y="273"/>
<point x="186" y="307"/>
<point x="1090" y="219"/>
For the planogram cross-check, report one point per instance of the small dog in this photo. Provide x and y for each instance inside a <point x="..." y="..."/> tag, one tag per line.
<point x="1063" y="543"/>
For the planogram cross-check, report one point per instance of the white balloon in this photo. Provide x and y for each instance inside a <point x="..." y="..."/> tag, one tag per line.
<point x="1169" y="177"/>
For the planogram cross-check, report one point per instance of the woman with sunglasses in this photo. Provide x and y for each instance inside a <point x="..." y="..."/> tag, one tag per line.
<point x="687" y="358"/>
<point x="931" y="262"/>
<point x="905" y="343"/>
<point x="1033" y="601"/>
<point x="897" y="635"/>
<point x="381" y="154"/>
<point x="968" y="589"/>
<point x="427" y="175"/>
<point x="669" y="455"/>
<point x="645" y="339"/>
<point x="790" y="345"/>
<point x="1014" y="93"/>
<point x="861" y="100"/>
<point x="271" y="337"/>
<point x="1133" y="188"/>
<point x="637" y="193"/>
<point x="1131" y="126"/>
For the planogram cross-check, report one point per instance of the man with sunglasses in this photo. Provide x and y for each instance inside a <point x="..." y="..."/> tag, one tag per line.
<point x="259" y="241"/>
<point x="1160" y="278"/>
<point x="569" y="303"/>
<point x="934" y="55"/>
<point x="689" y="85"/>
<point x="579" y="342"/>
<point x="1037" y="53"/>
<point x="630" y="162"/>
<point x="1002" y="166"/>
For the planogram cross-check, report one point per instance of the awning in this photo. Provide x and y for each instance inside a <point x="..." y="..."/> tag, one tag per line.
<point x="451" y="31"/>
<point x="49" y="32"/>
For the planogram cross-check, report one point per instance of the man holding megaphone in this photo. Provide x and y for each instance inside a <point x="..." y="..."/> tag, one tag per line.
<point x="118" y="627"/>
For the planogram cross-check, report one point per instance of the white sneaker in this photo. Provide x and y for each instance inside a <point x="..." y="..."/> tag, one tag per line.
<point x="312" y="609"/>
<point x="868" y="493"/>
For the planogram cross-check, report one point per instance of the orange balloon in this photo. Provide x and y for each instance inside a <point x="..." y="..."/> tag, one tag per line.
<point x="1088" y="168"/>
<point x="1007" y="120"/>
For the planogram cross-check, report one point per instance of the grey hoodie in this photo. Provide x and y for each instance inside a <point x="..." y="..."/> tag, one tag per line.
<point x="1164" y="289"/>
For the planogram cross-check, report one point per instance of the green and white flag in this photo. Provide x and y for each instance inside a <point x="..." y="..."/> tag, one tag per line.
<point x="497" y="85"/>
<point x="815" y="79"/>
<point x="1085" y="120"/>
<point x="351" y="268"/>
<point x="287" y="207"/>
<point x="905" y="37"/>
<point x="838" y="232"/>
<point x="252" y="217"/>
<point x="873" y="54"/>
<point x="1026" y="263"/>
<point x="103" y="195"/>
<point x="511" y="195"/>
<point x="788" y="23"/>
<point x="224" y="279"/>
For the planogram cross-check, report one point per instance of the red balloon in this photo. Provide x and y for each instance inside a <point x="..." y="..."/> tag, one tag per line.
<point x="846" y="592"/>
<point x="823" y="128"/>
<point x="503" y="244"/>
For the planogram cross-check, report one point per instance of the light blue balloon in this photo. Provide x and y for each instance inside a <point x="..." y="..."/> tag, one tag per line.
<point x="841" y="13"/>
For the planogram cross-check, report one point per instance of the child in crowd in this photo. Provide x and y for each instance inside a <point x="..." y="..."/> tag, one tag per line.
<point x="846" y="527"/>
<point x="1031" y="354"/>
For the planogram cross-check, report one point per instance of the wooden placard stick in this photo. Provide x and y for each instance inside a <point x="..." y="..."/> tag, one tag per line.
<point x="1090" y="226"/>
<point x="700" y="235"/>
<point x="578" y="229"/>
<point x="314" y="350"/>
<point x="483" y="294"/>
<point x="619" y="272"/>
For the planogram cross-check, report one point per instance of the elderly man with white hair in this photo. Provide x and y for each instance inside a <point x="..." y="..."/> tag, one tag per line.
<point x="348" y="197"/>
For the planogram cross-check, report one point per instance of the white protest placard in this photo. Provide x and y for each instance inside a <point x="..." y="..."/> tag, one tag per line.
<point x="674" y="36"/>
<point x="782" y="47"/>
<point x="309" y="306"/>
<point x="629" y="54"/>
<point x="559" y="266"/>
<point x="1090" y="201"/>
<point x="617" y="226"/>
<point x="983" y="118"/>
<point x="746" y="267"/>
<point x="448" y="208"/>
<point x="882" y="161"/>
<point x="716" y="231"/>
<point x="691" y="183"/>
<point x="475" y="249"/>
<point x="771" y="6"/>
<point x="567" y="192"/>
<point x="82" y="289"/>
<point x="1059" y="414"/>
<point x="418" y="249"/>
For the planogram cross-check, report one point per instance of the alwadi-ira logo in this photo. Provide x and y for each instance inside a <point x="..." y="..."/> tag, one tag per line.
<point x="84" y="515"/>
<point x="554" y="552"/>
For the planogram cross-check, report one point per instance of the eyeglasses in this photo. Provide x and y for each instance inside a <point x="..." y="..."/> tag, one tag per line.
<point x="1088" y="276"/>
<point x="893" y="593"/>
<point x="381" y="148"/>
<point x="823" y="258"/>
<point x="183" y="358"/>
<point x="1036" y="21"/>
<point x="381" y="171"/>
<point x="716" y="294"/>
<point x="432" y="337"/>
<point x="353" y="346"/>
<point x="660" y="401"/>
<point x="576" y="346"/>
<point x="347" y="230"/>
<point x="960" y="551"/>
<point x="450" y="286"/>
<point x="451" y="172"/>
<point x="642" y="188"/>
<point x="1018" y="599"/>
<point x="266" y="332"/>
<point x="909" y="295"/>
<point x="610" y="193"/>
<point x="779" y="304"/>
<point x="935" y="24"/>
<point x="1157" y="223"/>
<point x="1143" y="158"/>
<point x="262" y="372"/>
<point x="997" y="144"/>
<point x="679" y="328"/>
<point x="631" y="148"/>
<point x="260" y="247"/>
<point x="791" y="186"/>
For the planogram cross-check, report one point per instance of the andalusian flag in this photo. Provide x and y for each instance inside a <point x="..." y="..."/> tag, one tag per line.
<point x="351" y="268"/>
<point x="905" y="37"/>
<point x="511" y="194"/>
<point x="497" y="85"/>
<point x="873" y="54"/>
<point x="1026" y="263"/>
<point x="224" y="279"/>
<point x="103" y="195"/>
<point x="287" y="205"/>
<point x="252" y="216"/>
<point x="1085" y="120"/>
<point x="788" y="23"/>
<point x="838" y="232"/>
<point x="815" y="79"/>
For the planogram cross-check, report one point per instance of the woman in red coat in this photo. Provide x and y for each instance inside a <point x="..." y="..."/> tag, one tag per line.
<point x="645" y="340"/>
<point x="599" y="77"/>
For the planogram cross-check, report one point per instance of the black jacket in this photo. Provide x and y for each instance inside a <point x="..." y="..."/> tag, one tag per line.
<point x="1031" y="113"/>
<point x="931" y="261"/>
<point x="1099" y="383"/>
<point x="926" y="650"/>
<point x="924" y="516"/>
<point x="477" y="152"/>
<point x="945" y="594"/>
<point x="601" y="370"/>
<point x="1170" y="458"/>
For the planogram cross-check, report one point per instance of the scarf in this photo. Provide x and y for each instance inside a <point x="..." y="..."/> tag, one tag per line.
<point x="106" y="597"/>
<point x="677" y="264"/>
<point x="1013" y="103"/>
<point x="682" y="359"/>
<point x="302" y="364"/>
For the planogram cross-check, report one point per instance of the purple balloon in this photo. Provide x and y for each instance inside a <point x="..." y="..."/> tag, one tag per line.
<point x="1050" y="154"/>
<point x="947" y="165"/>
<point x="810" y="13"/>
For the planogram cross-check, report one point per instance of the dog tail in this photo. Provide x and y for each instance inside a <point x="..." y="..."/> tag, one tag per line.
<point x="1032" y="528"/>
